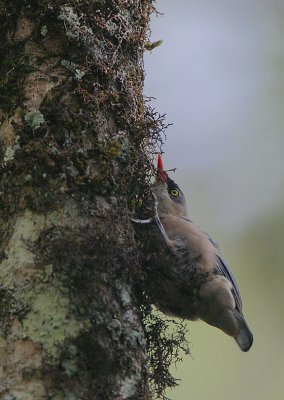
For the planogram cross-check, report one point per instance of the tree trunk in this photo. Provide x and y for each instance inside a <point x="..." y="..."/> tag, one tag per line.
<point x="73" y="127"/>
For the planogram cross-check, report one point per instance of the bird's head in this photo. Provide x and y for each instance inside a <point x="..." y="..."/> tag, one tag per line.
<point x="170" y="198"/>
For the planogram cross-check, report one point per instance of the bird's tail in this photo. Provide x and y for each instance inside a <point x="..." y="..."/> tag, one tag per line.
<point x="244" y="337"/>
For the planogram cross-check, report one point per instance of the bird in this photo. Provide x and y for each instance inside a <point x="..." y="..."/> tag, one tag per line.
<point x="189" y="277"/>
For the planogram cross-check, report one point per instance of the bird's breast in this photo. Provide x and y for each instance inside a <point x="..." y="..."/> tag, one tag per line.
<point x="176" y="272"/>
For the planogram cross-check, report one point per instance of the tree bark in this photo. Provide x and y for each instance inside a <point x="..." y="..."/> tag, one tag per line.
<point x="73" y="126"/>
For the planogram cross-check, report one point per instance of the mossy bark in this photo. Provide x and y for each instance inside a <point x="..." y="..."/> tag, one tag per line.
<point x="73" y="128"/>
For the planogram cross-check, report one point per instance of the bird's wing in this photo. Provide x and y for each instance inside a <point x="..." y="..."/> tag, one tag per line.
<point x="186" y="219"/>
<point x="224" y="269"/>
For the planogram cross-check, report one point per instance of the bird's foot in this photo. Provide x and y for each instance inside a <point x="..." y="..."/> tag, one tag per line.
<point x="142" y="221"/>
<point x="155" y="218"/>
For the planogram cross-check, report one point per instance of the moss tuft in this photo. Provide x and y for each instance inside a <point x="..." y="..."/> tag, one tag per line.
<point x="166" y="342"/>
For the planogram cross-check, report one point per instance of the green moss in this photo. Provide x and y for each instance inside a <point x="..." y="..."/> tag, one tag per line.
<point x="152" y="45"/>
<point x="109" y="150"/>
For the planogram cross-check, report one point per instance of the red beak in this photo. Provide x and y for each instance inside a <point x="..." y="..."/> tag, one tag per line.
<point x="161" y="174"/>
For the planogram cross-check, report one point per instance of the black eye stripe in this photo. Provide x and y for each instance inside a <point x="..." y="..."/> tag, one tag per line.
<point x="172" y="186"/>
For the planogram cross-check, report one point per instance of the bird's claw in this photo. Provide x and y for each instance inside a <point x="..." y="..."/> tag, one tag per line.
<point x="142" y="221"/>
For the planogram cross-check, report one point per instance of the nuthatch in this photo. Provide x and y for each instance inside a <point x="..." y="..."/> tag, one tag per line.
<point x="189" y="276"/>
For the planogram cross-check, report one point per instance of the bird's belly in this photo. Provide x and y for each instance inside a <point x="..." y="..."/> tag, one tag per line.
<point x="174" y="283"/>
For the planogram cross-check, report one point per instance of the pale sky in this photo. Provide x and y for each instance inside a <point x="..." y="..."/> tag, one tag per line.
<point x="219" y="77"/>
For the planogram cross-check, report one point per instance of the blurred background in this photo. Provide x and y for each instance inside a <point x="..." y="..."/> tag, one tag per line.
<point x="219" y="77"/>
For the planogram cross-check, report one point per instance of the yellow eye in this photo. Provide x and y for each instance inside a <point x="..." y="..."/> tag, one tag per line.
<point x="174" y="192"/>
